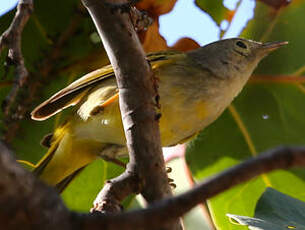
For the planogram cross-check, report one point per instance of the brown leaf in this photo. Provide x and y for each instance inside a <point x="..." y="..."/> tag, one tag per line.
<point x="229" y="15"/>
<point x="152" y="40"/>
<point x="155" y="8"/>
<point x="185" y="44"/>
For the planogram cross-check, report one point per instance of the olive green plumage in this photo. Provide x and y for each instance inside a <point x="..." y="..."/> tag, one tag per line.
<point x="195" y="87"/>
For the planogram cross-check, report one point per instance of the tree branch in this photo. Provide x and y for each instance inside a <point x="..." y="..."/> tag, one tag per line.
<point x="274" y="79"/>
<point x="137" y="89"/>
<point x="171" y="208"/>
<point x="16" y="105"/>
<point x="114" y="191"/>
<point x="11" y="39"/>
<point x="26" y="203"/>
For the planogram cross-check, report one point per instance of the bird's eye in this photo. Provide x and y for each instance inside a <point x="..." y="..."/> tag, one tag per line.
<point x="241" y="44"/>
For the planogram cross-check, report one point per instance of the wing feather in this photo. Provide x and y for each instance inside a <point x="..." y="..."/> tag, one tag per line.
<point x="73" y="93"/>
<point x="70" y="95"/>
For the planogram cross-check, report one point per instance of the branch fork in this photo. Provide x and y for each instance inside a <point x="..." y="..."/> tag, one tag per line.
<point x="115" y="190"/>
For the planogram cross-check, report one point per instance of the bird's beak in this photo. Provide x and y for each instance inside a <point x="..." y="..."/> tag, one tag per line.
<point x="270" y="46"/>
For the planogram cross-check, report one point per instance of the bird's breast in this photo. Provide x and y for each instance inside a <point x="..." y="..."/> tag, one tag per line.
<point x="189" y="103"/>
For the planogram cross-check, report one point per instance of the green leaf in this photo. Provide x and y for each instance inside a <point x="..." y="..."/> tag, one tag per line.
<point x="275" y="211"/>
<point x="226" y="143"/>
<point x="214" y="8"/>
<point x="263" y="116"/>
<point x="285" y="24"/>
<point x="57" y="49"/>
<point x="80" y="194"/>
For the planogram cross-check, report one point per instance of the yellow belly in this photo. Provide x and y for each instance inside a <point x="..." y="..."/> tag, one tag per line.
<point x="179" y="120"/>
<point x="188" y="105"/>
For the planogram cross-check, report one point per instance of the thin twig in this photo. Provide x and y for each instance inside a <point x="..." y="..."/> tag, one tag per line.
<point x="285" y="79"/>
<point x="19" y="105"/>
<point x="140" y="19"/>
<point x="11" y="39"/>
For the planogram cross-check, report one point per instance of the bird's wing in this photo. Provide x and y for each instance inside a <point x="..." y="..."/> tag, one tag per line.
<point x="74" y="92"/>
<point x="70" y="95"/>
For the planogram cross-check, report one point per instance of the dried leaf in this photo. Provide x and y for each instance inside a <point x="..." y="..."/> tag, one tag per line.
<point x="185" y="44"/>
<point x="153" y="41"/>
<point x="155" y="8"/>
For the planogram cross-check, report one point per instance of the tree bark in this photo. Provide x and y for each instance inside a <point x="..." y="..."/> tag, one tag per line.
<point x="138" y="98"/>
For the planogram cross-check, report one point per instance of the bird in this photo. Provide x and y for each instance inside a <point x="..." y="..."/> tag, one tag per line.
<point x="195" y="87"/>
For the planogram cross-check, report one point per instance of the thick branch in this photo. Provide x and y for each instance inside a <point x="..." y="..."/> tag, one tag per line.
<point x="137" y="90"/>
<point x="171" y="208"/>
<point x="26" y="203"/>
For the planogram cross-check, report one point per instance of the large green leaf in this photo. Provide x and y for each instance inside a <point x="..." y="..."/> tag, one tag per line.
<point x="215" y="9"/>
<point x="265" y="115"/>
<point x="275" y="211"/>
<point x="80" y="194"/>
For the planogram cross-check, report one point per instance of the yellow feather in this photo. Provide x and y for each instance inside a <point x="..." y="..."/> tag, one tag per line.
<point x="194" y="88"/>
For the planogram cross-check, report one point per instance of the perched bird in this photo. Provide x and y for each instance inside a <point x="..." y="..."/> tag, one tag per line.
<point x="195" y="87"/>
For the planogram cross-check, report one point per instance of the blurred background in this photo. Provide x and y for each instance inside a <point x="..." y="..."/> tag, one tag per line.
<point x="60" y="44"/>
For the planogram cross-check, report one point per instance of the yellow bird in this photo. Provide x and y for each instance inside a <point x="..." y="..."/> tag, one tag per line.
<point x="195" y="87"/>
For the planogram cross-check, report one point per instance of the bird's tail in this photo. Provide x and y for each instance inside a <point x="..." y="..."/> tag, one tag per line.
<point x="65" y="158"/>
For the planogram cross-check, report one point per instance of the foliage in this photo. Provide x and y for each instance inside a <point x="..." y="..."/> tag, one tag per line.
<point x="275" y="211"/>
<point x="266" y="114"/>
<point x="215" y="9"/>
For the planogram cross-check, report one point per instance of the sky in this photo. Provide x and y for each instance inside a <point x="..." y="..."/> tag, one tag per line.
<point x="175" y="24"/>
<point x="6" y="5"/>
